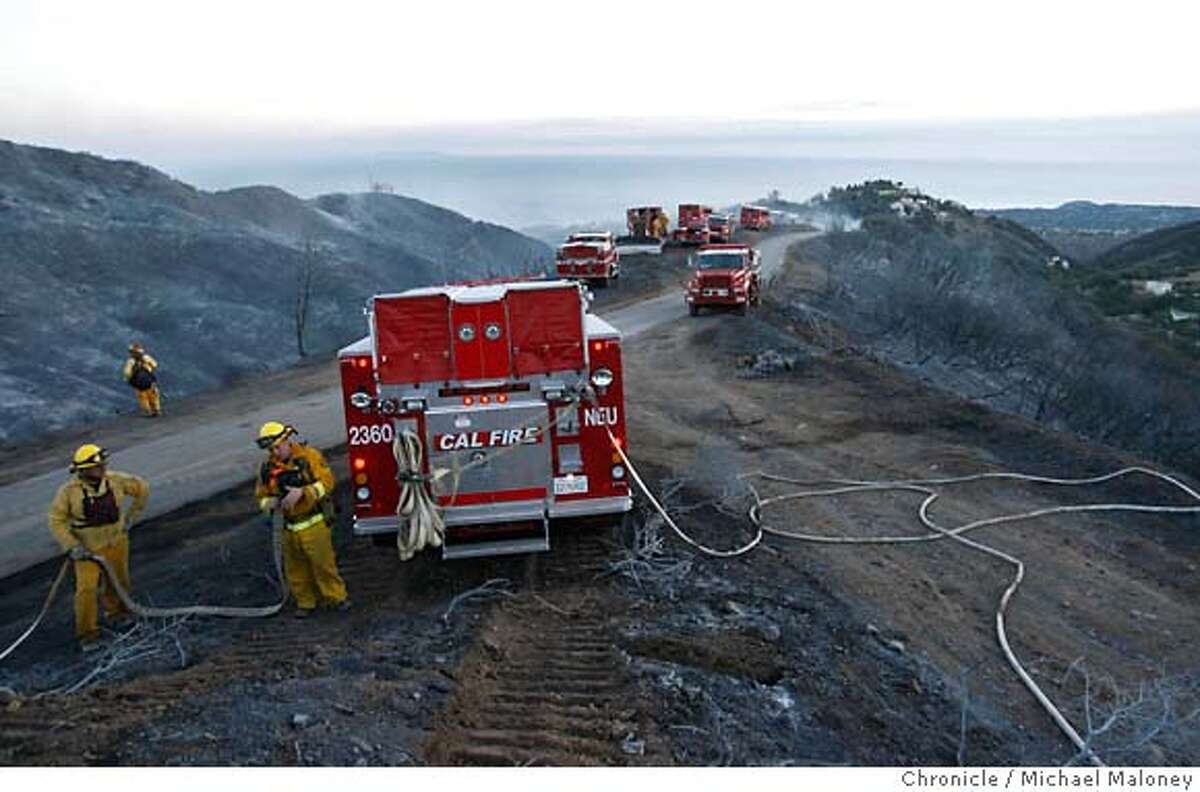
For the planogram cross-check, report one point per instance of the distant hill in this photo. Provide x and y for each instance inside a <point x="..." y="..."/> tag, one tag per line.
<point x="900" y="214"/>
<point x="1083" y="230"/>
<point x="1165" y="253"/>
<point x="97" y="252"/>
<point x="1088" y="216"/>
<point x="1152" y="283"/>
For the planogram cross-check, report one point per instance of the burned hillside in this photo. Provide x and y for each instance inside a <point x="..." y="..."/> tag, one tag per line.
<point x="975" y="305"/>
<point x="97" y="253"/>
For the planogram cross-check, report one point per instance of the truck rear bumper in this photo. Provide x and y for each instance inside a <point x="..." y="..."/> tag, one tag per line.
<point x="504" y="513"/>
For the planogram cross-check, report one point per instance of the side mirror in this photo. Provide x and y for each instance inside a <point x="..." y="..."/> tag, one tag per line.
<point x="691" y="261"/>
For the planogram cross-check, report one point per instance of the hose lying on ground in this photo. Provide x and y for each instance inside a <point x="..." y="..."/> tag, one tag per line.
<point x="58" y="579"/>
<point x="939" y="532"/>
<point x="148" y="612"/>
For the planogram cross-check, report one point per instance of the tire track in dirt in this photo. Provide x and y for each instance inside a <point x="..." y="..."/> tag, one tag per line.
<point x="545" y="683"/>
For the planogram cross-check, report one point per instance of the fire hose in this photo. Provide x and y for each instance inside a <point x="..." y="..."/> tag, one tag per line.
<point x="421" y="519"/>
<point x="148" y="612"/>
<point x="938" y="532"/>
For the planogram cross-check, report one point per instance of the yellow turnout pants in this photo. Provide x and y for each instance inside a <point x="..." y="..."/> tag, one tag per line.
<point x="88" y="576"/>
<point x="150" y="400"/>
<point x="311" y="567"/>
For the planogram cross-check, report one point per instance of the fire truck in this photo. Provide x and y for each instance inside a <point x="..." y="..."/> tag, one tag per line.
<point x="720" y="228"/>
<point x="647" y="230"/>
<point x="514" y="387"/>
<point x="590" y="256"/>
<point x="693" y="225"/>
<point x="755" y="218"/>
<point x="725" y="276"/>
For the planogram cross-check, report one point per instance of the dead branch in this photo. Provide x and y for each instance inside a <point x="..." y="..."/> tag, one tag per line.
<point x="1127" y="722"/>
<point x="492" y="588"/>
<point x="141" y="642"/>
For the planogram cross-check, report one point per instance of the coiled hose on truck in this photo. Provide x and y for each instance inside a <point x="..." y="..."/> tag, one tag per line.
<point x="421" y="523"/>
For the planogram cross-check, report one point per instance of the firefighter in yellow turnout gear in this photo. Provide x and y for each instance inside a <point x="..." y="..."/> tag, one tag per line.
<point x="296" y="480"/>
<point x="139" y="373"/>
<point x="87" y="514"/>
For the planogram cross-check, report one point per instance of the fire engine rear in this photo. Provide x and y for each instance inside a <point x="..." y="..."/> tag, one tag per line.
<point x="755" y="218"/>
<point x="720" y="228"/>
<point x="693" y="225"/>
<point x="725" y="276"/>
<point x="509" y="391"/>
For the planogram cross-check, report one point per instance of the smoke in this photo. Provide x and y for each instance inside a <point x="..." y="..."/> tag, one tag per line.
<point x="816" y="211"/>
<point x="832" y="222"/>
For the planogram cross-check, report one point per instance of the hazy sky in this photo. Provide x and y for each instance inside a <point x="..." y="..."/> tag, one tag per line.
<point x="207" y="80"/>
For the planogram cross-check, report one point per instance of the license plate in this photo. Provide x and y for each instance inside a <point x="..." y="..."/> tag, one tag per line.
<point x="570" y="485"/>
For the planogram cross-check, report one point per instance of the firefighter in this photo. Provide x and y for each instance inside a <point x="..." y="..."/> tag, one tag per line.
<point x="295" y="480"/>
<point x="87" y="516"/>
<point x="139" y="373"/>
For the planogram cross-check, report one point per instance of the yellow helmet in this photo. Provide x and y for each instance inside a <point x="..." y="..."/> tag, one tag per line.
<point x="88" y="455"/>
<point x="273" y="433"/>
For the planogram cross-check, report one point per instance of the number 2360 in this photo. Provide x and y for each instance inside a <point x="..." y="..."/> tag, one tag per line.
<point x="367" y="435"/>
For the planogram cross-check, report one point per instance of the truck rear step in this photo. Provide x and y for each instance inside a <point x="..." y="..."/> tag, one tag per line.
<point x="535" y="538"/>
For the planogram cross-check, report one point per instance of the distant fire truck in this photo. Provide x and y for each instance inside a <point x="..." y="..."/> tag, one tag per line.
<point x="590" y="256"/>
<point x="693" y="225"/>
<point x="755" y="218"/>
<point x="647" y="227"/>
<point x="514" y="386"/>
<point x="725" y="276"/>
<point x="720" y="228"/>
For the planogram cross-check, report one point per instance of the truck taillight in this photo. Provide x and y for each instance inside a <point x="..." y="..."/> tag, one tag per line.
<point x="360" y="463"/>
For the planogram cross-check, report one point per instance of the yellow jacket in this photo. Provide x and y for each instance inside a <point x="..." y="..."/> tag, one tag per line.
<point x="147" y="361"/>
<point x="68" y="522"/>
<point x="313" y="469"/>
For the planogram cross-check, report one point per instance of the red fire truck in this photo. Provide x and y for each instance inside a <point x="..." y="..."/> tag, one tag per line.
<point x="720" y="228"/>
<point x="514" y="386"/>
<point x="693" y="225"/>
<point x="591" y="256"/>
<point x="755" y="218"/>
<point x="726" y="276"/>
